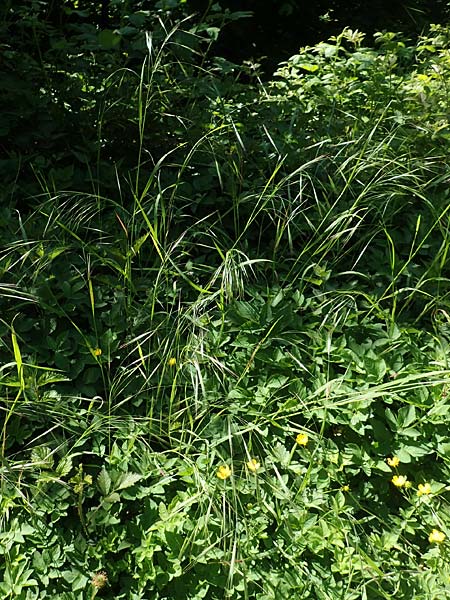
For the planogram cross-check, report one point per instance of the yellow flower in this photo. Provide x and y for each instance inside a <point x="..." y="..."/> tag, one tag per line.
<point x="436" y="537"/>
<point x="302" y="439"/>
<point x="400" y="481"/>
<point x="97" y="352"/>
<point x="345" y="488"/>
<point x="393" y="461"/>
<point x="253" y="465"/>
<point x="223" y="472"/>
<point x="172" y="362"/>
<point x="423" y="489"/>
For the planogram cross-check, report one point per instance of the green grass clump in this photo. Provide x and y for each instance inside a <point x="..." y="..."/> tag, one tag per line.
<point x="229" y="377"/>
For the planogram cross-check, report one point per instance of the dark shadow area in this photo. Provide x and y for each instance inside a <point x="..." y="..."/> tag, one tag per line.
<point x="277" y="29"/>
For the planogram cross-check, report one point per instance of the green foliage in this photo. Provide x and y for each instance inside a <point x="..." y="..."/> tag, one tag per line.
<point x="225" y="331"/>
<point x="72" y="81"/>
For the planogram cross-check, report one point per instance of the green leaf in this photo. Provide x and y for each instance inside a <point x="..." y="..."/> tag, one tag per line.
<point x="64" y="466"/>
<point x="406" y="416"/>
<point x="108" y="39"/>
<point x="309" y="67"/>
<point x="42" y="457"/>
<point x="246" y="311"/>
<point x="111" y="498"/>
<point x="126" y="480"/>
<point x="104" y="482"/>
<point x="375" y="367"/>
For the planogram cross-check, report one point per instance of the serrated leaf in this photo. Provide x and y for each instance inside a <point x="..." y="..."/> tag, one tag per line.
<point x="126" y="480"/>
<point x="104" y="482"/>
<point x="42" y="457"/>
<point x="64" y="466"/>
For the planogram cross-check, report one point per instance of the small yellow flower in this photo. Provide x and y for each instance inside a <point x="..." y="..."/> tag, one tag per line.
<point x="436" y="537"/>
<point x="223" y="472"/>
<point x="97" y="352"/>
<point x="99" y="580"/>
<point x="172" y="362"/>
<point x="393" y="461"/>
<point x="400" y="481"/>
<point x="253" y="465"/>
<point x="423" y="489"/>
<point x="345" y="488"/>
<point x="302" y="439"/>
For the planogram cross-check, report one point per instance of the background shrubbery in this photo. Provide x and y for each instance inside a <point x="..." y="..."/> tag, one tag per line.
<point x="225" y="311"/>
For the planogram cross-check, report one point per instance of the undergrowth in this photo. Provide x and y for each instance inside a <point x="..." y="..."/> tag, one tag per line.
<point x="225" y="374"/>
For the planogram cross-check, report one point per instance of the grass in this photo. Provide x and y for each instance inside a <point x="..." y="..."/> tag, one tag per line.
<point x="207" y="374"/>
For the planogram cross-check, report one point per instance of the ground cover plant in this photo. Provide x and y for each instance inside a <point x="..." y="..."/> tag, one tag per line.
<point x="225" y="321"/>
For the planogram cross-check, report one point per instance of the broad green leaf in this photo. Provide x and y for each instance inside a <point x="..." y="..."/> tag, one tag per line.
<point x="406" y="416"/>
<point x="127" y="480"/>
<point x="104" y="482"/>
<point x="108" y="39"/>
<point x="64" y="466"/>
<point x="112" y="498"/>
<point x="42" y="457"/>
<point x="308" y="67"/>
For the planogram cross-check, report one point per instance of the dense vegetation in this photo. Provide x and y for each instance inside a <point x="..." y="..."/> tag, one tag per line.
<point x="225" y="312"/>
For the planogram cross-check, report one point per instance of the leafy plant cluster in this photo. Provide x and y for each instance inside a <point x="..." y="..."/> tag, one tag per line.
<point x="224" y="335"/>
<point x="72" y="82"/>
